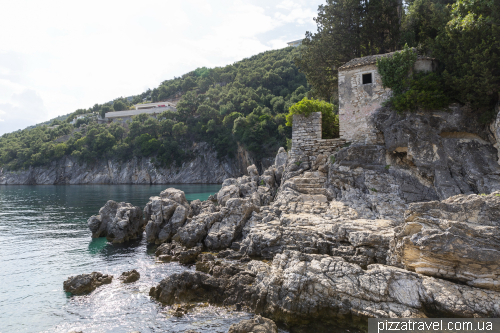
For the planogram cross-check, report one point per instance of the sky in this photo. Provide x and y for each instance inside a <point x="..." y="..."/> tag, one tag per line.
<point x="60" y="56"/>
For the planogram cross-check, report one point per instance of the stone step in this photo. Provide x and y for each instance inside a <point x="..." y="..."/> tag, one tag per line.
<point x="309" y="180"/>
<point x="300" y="186"/>
<point x="313" y="191"/>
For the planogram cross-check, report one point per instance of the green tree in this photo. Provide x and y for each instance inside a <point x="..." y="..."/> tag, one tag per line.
<point x="347" y="29"/>
<point x="179" y="129"/>
<point x="119" y="106"/>
<point x="166" y="126"/>
<point x="469" y="49"/>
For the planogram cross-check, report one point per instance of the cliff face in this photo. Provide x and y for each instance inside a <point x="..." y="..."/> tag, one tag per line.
<point x="205" y="168"/>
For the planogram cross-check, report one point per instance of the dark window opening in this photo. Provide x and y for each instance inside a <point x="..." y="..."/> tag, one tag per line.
<point x="367" y="78"/>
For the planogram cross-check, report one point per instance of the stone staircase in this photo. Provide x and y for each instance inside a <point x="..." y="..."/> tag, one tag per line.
<point x="311" y="183"/>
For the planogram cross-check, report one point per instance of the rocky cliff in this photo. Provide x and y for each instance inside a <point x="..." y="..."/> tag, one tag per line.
<point x="205" y="168"/>
<point x="406" y="227"/>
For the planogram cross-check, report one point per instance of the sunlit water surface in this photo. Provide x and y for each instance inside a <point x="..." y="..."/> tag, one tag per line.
<point x="44" y="239"/>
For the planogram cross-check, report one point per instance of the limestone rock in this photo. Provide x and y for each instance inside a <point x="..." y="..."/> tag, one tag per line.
<point x="198" y="206"/>
<point x="300" y="288"/>
<point x="234" y="216"/>
<point x="130" y="276"/>
<point x="227" y="285"/>
<point x="281" y="157"/>
<point x="196" y="229"/>
<point x="457" y="239"/>
<point x="257" y="324"/>
<point x="205" y="168"/>
<point x="166" y="214"/>
<point x="317" y="227"/>
<point x="118" y="222"/>
<point x="226" y="193"/>
<point x="448" y="149"/>
<point x="86" y="283"/>
<point x="176" y="252"/>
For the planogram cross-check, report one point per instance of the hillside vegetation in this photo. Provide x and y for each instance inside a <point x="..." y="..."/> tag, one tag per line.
<point x="244" y="103"/>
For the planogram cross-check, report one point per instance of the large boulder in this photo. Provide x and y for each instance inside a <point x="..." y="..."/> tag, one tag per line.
<point x="457" y="239"/>
<point x="86" y="283"/>
<point x="165" y="215"/>
<point x="235" y="215"/>
<point x="117" y="221"/>
<point x="257" y="324"/>
<point x="195" y="230"/>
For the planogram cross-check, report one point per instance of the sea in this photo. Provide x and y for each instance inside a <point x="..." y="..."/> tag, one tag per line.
<point x="44" y="239"/>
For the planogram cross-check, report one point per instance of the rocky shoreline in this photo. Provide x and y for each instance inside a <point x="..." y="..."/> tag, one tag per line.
<point x="406" y="227"/>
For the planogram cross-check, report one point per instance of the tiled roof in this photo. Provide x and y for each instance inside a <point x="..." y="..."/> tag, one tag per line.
<point x="369" y="60"/>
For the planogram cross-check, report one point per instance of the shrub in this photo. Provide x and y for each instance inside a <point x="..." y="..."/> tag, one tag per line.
<point x="329" y="121"/>
<point x="395" y="71"/>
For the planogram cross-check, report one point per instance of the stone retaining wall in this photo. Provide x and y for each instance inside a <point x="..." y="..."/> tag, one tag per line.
<point x="306" y="138"/>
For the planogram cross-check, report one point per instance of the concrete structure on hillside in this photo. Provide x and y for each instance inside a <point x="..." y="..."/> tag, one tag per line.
<point x="295" y="43"/>
<point x="361" y="92"/>
<point x="153" y="109"/>
<point x="156" y="105"/>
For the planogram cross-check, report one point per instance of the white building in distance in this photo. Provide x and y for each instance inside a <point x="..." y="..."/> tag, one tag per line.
<point x="153" y="109"/>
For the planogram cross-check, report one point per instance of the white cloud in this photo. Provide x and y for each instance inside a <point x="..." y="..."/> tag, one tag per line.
<point x="76" y="54"/>
<point x="24" y="109"/>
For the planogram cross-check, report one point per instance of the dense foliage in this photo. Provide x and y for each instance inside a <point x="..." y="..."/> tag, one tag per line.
<point x="410" y="90"/>
<point x="329" y="116"/>
<point x="464" y="35"/>
<point x="244" y="103"/>
<point x="469" y="49"/>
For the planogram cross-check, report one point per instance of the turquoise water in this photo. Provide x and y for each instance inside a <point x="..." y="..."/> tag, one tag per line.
<point x="44" y="239"/>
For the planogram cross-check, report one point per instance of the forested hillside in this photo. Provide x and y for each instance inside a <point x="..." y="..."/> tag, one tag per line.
<point x="243" y="103"/>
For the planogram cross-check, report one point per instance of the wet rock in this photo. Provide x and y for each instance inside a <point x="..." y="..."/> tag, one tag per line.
<point x="118" y="222"/>
<point x="257" y="324"/>
<point x="176" y="252"/>
<point x="457" y="239"/>
<point x="130" y="276"/>
<point x="86" y="283"/>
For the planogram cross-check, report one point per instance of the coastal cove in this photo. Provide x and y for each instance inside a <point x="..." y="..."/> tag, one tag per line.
<point x="45" y="239"/>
